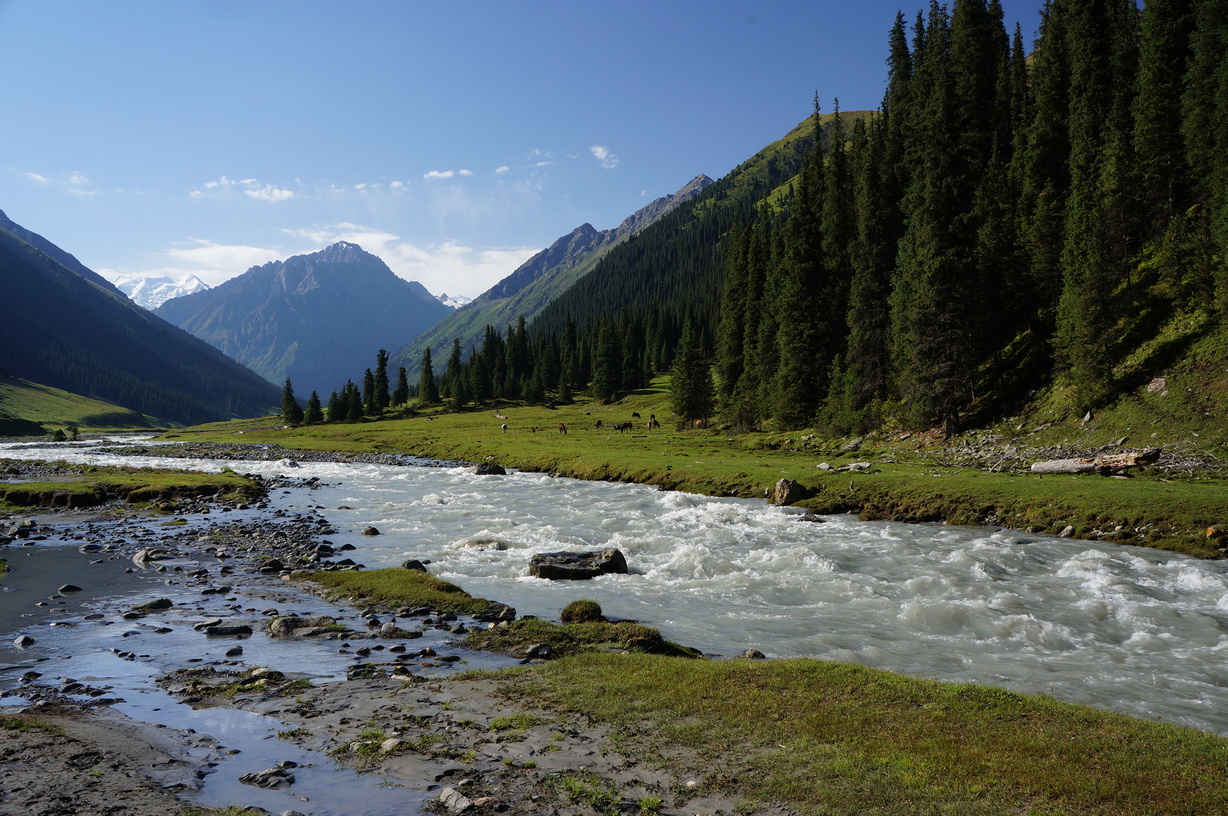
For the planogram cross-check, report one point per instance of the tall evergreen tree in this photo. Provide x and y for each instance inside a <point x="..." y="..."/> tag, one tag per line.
<point x="291" y="411"/>
<point x="369" y="404"/>
<point x="428" y="392"/>
<point x="381" y="395"/>
<point x="400" y="393"/>
<point x="314" y="414"/>
<point x="1097" y="253"/>
<point x="1205" y="126"/>
<point x="691" y="392"/>
<point x="802" y="336"/>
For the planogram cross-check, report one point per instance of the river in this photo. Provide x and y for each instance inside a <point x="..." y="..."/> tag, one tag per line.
<point x="1127" y="629"/>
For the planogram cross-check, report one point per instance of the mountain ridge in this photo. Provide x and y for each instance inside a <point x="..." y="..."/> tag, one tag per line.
<point x="536" y="282"/>
<point x="317" y="318"/>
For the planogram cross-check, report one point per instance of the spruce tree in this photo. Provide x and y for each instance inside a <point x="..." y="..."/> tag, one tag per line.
<point x="1205" y="126"/>
<point x="606" y="359"/>
<point x="381" y="395"/>
<point x="691" y="391"/>
<point x="400" y="393"/>
<point x="369" y="404"/>
<point x="802" y="339"/>
<point x="1096" y="255"/>
<point x="314" y="414"/>
<point x="291" y="411"/>
<point x="428" y="392"/>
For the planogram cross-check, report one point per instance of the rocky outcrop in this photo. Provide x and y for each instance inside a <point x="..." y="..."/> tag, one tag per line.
<point x="573" y="566"/>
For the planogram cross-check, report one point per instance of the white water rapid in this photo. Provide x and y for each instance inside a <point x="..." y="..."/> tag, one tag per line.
<point x="1123" y="628"/>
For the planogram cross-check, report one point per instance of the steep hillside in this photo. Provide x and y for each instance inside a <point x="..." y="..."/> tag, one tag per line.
<point x="675" y="263"/>
<point x="66" y="327"/>
<point x="318" y="319"/>
<point x="540" y="279"/>
<point x="56" y="409"/>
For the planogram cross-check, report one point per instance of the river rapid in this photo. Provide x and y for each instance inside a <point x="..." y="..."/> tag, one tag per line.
<point x="1121" y="628"/>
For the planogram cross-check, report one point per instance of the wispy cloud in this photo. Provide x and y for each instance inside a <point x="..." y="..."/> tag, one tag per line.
<point x="604" y="157"/>
<point x="35" y="177"/>
<point x="446" y="174"/>
<point x="212" y="262"/>
<point x="250" y="187"/>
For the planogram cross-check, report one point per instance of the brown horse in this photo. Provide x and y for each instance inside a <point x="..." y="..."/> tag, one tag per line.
<point x="562" y="428"/>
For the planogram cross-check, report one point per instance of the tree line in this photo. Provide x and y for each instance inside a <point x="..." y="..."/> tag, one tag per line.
<point x="1008" y="219"/>
<point x="1005" y="219"/>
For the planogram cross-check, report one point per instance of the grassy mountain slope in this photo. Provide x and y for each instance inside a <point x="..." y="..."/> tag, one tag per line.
<point x="676" y="262"/>
<point x="55" y="408"/>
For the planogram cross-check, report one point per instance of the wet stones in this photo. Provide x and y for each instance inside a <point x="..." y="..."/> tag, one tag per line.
<point x="153" y="606"/>
<point x="228" y="630"/>
<point x="572" y="566"/>
<point x="278" y="777"/>
<point x="489" y="469"/>
<point x="294" y="625"/>
<point x="370" y="531"/>
<point x="23" y="641"/>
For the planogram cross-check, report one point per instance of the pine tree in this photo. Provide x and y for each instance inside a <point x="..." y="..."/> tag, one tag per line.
<point x="336" y="410"/>
<point x="606" y="358"/>
<point x="400" y="393"/>
<point x="291" y="411"/>
<point x="802" y="339"/>
<point x="428" y="392"/>
<point x="369" y="404"/>
<point x="455" y="371"/>
<point x="1096" y="255"/>
<point x="382" y="397"/>
<point x="691" y="391"/>
<point x="314" y="414"/>
<point x="1205" y="126"/>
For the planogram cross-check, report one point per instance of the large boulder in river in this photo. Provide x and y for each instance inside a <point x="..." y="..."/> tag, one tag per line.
<point x="787" y="491"/>
<point x="571" y="566"/>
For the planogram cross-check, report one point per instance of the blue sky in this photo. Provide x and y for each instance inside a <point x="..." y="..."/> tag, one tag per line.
<point x="453" y="139"/>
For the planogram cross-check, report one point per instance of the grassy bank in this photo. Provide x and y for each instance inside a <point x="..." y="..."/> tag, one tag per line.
<point x="77" y="486"/>
<point x="978" y="479"/>
<point x="824" y="738"/>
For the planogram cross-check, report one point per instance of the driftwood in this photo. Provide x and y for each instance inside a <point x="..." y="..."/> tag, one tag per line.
<point x="1104" y="465"/>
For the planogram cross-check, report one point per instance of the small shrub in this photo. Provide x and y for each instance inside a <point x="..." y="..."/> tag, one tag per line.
<point x="582" y="612"/>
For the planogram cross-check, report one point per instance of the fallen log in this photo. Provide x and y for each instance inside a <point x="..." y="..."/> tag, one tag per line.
<point x="1104" y="465"/>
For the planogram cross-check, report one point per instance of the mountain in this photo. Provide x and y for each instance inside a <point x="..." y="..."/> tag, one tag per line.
<point x="64" y="326"/>
<point x="152" y="292"/>
<point x="453" y="301"/>
<point x="539" y="280"/>
<point x="318" y="319"/>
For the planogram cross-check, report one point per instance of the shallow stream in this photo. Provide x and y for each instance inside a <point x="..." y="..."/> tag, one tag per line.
<point x="1123" y="628"/>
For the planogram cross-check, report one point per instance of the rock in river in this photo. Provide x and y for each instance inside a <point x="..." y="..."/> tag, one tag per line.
<point x="577" y="565"/>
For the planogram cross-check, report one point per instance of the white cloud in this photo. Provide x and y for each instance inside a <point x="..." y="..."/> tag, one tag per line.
<point x="501" y="169"/>
<point x="77" y="180"/>
<point x="37" y="178"/>
<point x="446" y="174"/>
<point x="448" y="267"/>
<point x="269" y="193"/>
<point x="604" y="157"/>
<point x="212" y="262"/>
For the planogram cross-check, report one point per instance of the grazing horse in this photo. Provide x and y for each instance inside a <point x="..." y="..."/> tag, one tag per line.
<point x="635" y="414"/>
<point x="652" y="422"/>
<point x="599" y="424"/>
<point x="505" y="427"/>
<point x="562" y="428"/>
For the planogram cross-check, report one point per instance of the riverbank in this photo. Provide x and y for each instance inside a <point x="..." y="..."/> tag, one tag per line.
<point x="1178" y="503"/>
<point x="604" y="731"/>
